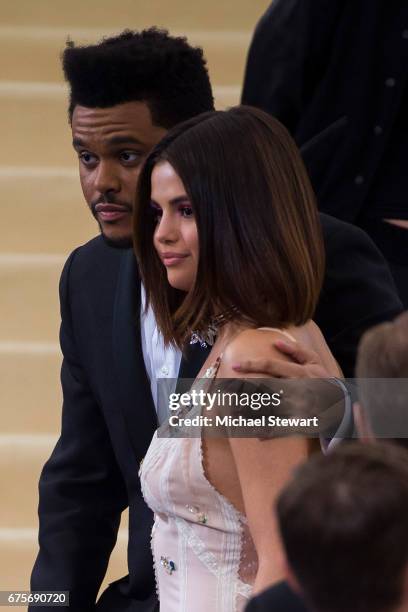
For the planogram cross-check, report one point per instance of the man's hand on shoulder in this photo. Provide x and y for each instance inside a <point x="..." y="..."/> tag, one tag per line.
<point x="304" y="363"/>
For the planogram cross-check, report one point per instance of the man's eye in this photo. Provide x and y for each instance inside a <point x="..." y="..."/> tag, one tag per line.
<point x="130" y="157"/>
<point x="186" y="211"/>
<point x="87" y="158"/>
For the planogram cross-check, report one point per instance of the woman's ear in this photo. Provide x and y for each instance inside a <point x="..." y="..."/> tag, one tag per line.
<point x="362" y="422"/>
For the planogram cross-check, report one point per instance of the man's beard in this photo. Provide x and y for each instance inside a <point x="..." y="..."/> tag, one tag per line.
<point x="124" y="242"/>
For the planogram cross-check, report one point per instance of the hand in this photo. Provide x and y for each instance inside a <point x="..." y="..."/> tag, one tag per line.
<point x="305" y="364"/>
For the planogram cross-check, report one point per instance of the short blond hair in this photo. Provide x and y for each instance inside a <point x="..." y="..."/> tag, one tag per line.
<point x="383" y="350"/>
<point x="383" y="355"/>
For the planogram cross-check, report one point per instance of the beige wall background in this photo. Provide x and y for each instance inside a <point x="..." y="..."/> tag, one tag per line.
<point x="43" y="217"/>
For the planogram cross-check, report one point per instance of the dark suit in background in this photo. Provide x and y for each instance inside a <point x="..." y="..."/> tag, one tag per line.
<point x="317" y="63"/>
<point x="109" y="418"/>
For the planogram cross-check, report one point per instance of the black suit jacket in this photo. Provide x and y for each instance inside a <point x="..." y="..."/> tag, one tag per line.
<point x="108" y="415"/>
<point x="317" y="63"/>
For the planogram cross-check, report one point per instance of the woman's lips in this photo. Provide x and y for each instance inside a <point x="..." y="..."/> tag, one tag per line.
<point x="172" y="259"/>
<point x="111" y="212"/>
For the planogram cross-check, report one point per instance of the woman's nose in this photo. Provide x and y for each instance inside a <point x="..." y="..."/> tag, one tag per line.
<point x="166" y="230"/>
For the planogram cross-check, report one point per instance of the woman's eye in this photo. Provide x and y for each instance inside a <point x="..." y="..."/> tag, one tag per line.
<point x="186" y="211"/>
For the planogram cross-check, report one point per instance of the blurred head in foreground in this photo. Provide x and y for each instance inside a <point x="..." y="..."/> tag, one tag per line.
<point x="344" y="528"/>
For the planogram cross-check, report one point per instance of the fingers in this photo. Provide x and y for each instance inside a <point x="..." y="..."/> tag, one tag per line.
<point x="296" y="351"/>
<point x="269" y="368"/>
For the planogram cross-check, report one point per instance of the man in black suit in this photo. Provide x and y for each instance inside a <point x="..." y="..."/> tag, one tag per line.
<point x="313" y="64"/>
<point x="125" y="93"/>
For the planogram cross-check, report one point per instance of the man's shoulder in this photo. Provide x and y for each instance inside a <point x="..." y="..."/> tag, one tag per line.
<point x="96" y="266"/>
<point x="95" y="250"/>
<point x="96" y="257"/>
<point x="349" y="245"/>
<point x="333" y="227"/>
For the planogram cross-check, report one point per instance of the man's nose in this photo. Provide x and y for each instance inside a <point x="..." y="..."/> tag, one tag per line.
<point x="107" y="179"/>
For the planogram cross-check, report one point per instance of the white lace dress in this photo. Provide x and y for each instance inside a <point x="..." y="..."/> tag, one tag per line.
<point x="204" y="556"/>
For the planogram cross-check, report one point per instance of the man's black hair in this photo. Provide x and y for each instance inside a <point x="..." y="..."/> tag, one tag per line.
<point x="151" y="66"/>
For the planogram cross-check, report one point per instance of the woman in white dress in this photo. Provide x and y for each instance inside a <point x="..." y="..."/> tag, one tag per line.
<point x="229" y="244"/>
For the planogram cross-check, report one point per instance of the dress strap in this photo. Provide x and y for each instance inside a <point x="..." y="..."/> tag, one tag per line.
<point x="280" y="331"/>
<point x="212" y="371"/>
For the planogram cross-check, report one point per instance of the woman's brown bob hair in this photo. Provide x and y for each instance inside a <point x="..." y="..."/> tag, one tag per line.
<point x="260" y="244"/>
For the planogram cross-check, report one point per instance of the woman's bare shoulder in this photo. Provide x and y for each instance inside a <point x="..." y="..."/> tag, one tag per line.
<point x="259" y="344"/>
<point x="251" y="344"/>
<point x="254" y="340"/>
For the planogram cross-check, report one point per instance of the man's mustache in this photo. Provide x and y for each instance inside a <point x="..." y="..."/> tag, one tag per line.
<point x="111" y="200"/>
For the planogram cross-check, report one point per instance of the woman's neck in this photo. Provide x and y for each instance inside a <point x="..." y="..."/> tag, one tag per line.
<point x="226" y="333"/>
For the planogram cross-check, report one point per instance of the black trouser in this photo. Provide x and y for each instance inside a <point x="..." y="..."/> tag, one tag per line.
<point x="392" y="241"/>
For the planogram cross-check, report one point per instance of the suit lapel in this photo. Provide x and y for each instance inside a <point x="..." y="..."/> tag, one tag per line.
<point x="134" y="387"/>
<point x="192" y="360"/>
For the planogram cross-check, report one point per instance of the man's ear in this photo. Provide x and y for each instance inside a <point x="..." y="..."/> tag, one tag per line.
<point x="363" y="426"/>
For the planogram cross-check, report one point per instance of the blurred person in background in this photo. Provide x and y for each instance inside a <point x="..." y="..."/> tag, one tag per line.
<point x="344" y="529"/>
<point x="337" y="70"/>
<point x="382" y="376"/>
<point x="125" y="93"/>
